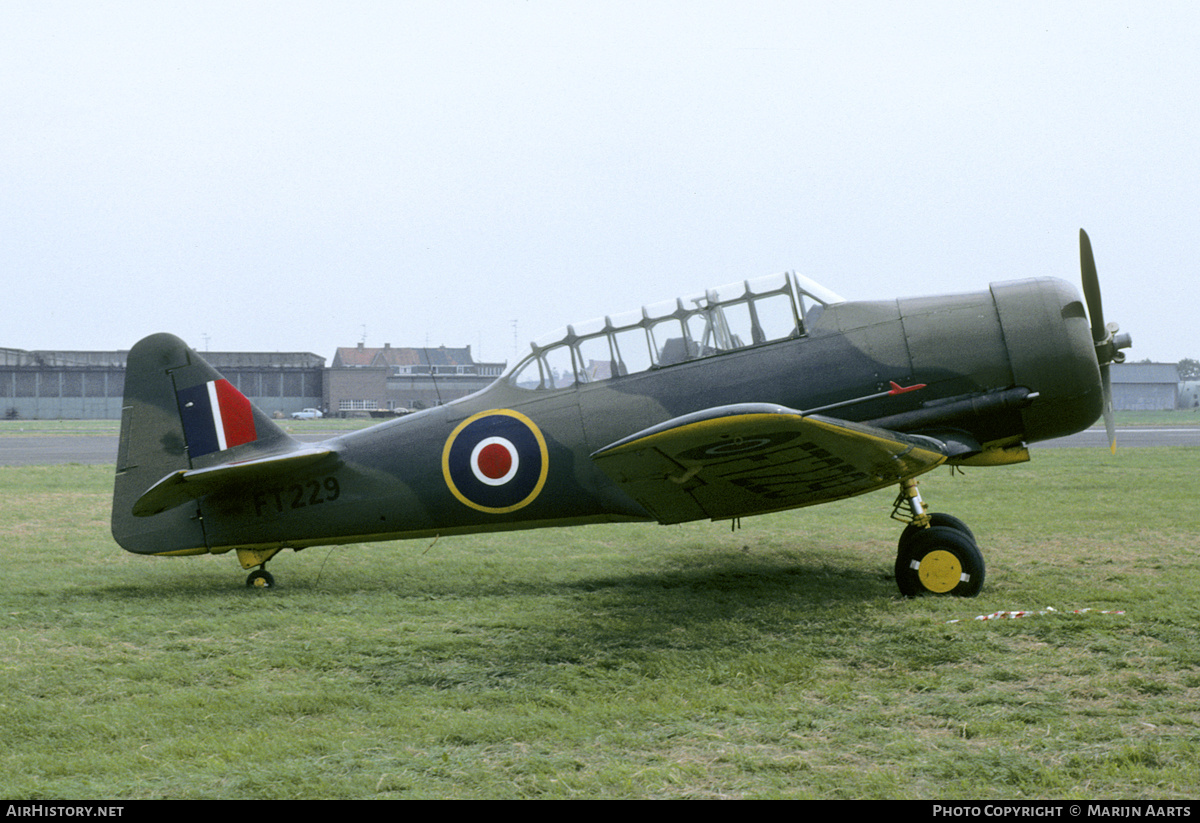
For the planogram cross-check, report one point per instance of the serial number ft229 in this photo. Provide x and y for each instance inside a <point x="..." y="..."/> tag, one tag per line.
<point x="296" y="496"/>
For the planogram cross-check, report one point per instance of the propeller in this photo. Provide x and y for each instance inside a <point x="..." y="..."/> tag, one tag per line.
<point x="1108" y="343"/>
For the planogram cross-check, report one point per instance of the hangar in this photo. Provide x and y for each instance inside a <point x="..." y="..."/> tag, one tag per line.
<point x="84" y="385"/>
<point x="1145" y="386"/>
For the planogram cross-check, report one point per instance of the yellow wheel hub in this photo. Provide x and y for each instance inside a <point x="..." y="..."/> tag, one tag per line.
<point x="940" y="571"/>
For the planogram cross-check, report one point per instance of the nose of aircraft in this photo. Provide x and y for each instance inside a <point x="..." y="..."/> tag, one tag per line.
<point x="1058" y="352"/>
<point x="1050" y="348"/>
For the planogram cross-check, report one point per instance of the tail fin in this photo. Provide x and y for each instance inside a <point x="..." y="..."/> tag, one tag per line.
<point x="179" y="413"/>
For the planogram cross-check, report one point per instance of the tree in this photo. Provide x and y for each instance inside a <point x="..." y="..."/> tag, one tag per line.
<point x="1189" y="369"/>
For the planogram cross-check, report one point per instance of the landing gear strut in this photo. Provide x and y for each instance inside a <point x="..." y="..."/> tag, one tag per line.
<point x="937" y="552"/>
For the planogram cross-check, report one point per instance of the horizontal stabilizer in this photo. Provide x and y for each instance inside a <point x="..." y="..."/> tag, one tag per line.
<point x="190" y="484"/>
<point x="745" y="459"/>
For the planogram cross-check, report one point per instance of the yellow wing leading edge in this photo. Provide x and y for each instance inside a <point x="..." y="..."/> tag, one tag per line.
<point x="749" y="459"/>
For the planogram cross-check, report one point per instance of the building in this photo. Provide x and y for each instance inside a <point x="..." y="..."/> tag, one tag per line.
<point x="363" y="379"/>
<point x="1189" y="394"/>
<point x="74" y="385"/>
<point x="1145" y="386"/>
<point x="54" y="385"/>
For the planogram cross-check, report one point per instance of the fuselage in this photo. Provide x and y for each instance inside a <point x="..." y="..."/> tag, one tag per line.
<point x="999" y="369"/>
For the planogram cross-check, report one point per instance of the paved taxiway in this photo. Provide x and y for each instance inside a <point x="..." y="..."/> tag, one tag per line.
<point x="57" y="449"/>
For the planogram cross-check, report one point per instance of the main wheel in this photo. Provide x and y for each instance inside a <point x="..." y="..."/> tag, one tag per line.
<point x="260" y="579"/>
<point x="935" y="519"/>
<point x="939" y="560"/>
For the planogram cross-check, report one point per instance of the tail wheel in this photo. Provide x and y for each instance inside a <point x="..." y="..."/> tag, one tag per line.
<point x="260" y="579"/>
<point x="939" y="560"/>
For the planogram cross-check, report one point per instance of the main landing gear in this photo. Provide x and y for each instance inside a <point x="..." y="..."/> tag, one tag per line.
<point x="937" y="552"/>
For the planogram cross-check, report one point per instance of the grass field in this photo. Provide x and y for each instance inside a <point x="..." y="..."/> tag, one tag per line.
<point x="619" y="661"/>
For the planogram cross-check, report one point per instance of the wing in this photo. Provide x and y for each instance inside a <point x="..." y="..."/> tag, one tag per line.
<point x="747" y="459"/>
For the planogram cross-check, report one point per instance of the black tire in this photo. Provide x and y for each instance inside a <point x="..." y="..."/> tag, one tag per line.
<point x="935" y="519"/>
<point x="260" y="579"/>
<point x="940" y="560"/>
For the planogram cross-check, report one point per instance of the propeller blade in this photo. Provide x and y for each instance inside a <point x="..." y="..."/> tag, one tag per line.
<point x="1110" y="423"/>
<point x="1091" y="287"/>
<point x="1108" y="346"/>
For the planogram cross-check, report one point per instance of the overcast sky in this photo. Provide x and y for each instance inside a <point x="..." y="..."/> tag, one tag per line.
<point x="296" y="176"/>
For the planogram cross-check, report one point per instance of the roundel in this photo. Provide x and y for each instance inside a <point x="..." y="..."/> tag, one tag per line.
<point x="495" y="461"/>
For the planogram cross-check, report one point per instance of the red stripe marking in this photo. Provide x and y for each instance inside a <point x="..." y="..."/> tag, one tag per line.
<point x="237" y="415"/>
